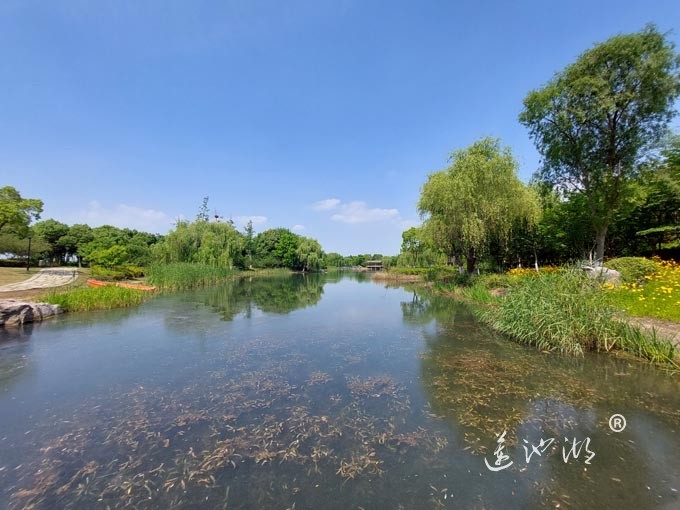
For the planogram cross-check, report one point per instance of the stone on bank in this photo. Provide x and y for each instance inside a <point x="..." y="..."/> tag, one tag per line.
<point x="16" y="313"/>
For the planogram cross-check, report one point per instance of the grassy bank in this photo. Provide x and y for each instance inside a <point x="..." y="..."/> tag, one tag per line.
<point x="651" y="293"/>
<point x="566" y="311"/>
<point x="87" y="299"/>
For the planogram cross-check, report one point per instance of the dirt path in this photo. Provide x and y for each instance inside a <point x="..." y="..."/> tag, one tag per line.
<point x="45" y="279"/>
<point x="664" y="328"/>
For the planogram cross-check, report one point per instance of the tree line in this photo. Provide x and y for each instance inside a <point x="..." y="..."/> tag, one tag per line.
<point x="609" y="181"/>
<point x="124" y="252"/>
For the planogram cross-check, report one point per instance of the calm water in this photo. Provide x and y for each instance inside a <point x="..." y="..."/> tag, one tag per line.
<point x="308" y="392"/>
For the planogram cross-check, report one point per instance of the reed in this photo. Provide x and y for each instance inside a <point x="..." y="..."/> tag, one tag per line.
<point x="184" y="275"/>
<point x="568" y="312"/>
<point x="85" y="299"/>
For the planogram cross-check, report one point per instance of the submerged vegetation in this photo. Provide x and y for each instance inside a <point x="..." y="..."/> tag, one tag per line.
<point x="87" y="299"/>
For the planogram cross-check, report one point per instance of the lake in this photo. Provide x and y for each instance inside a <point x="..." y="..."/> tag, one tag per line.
<point x="322" y="391"/>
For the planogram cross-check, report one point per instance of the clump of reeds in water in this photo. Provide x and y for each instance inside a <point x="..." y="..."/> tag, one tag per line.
<point x="566" y="311"/>
<point x="184" y="275"/>
<point x="86" y="299"/>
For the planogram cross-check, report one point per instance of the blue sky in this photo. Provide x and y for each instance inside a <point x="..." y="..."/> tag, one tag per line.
<point x="323" y="116"/>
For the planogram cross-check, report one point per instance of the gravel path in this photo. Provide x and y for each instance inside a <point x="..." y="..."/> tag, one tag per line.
<point x="46" y="278"/>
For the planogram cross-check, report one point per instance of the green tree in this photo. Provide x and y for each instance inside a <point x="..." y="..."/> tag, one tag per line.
<point x="51" y="231"/>
<point x="16" y="212"/>
<point x="16" y="246"/>
<point x="476" y="201"/>
<point x="595" y="120"/>
<point x="654" y="207"/>
<point x="412" y="244"/>
<point x="75" y="239"/>
<point x="203" y="211"/>
<point x="249" y="237"/>
<point x="216" y="244"/>
<point x="335" y="260"/>
<point x="276" y="248"/>
<point x="109" y="258"/>
<point x="309" y="254"/>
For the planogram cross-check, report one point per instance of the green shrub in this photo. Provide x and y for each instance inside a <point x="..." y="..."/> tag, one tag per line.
<point x="14" y="263"/>
<point x="110" y="258"/>
<point x="633" y="269"/>
<point x="568" y="312"/>
<point x="86" y="299"/>
<point x="123" y="272"/>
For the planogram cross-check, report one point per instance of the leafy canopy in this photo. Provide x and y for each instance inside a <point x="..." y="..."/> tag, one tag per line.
<point x="595" y="121"/>
<point x="476" y="201"/>
<point x="16" y="212"/>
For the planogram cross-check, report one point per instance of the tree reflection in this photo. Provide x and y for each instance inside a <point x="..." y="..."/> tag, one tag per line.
<point x="272" y="295"/>
<point x="426" y="306"/>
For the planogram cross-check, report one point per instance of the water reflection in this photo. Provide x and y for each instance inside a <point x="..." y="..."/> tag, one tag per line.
<point x="275" y="295"/>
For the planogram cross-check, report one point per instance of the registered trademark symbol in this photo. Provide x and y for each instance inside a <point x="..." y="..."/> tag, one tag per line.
<point x="617" y="422"/>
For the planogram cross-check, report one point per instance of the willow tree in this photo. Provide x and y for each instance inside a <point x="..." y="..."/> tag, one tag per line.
<point x="215" y="244"/>
<point x="309" y="254"/>
<point x="475" y="203"/>
<point x="595" y="120"/>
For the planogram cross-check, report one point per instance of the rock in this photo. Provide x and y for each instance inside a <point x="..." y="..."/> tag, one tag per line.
<point x="604" y="274"/>
<point x="16" y="313"/>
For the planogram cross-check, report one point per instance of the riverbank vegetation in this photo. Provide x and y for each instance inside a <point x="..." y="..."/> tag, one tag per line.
<point x="568" y="312"/>
<point x="609" y="180"/>
<point x="607" y="192"/>
<point x="87" y="299"/>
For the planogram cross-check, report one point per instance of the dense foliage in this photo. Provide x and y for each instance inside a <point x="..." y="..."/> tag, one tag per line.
<point x="476" y="204"/>
<point x="17" y="212"/>
<point x="610" y="171"/>
<point x="596" y="120"/>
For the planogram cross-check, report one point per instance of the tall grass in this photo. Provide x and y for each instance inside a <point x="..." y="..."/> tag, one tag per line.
<point x="184" y="275"/>
<point x="568" y="312"/>
<point x="85" y="299"/>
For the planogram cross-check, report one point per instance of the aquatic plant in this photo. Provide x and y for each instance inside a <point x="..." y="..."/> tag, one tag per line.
<point x="86" y="299"/>
<point x="185" y="275"/>
<point x="568" y="312"/>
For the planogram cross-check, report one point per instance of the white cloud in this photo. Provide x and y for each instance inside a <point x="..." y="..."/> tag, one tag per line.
<point x="242" y="221"/>
<point x="358" y="212"/>
<point x="298" y="228"/>
<point x="326" y="205"/>
<point x="125" y="216"/>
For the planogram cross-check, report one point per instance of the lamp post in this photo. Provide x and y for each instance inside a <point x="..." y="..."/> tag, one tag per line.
<point x="28" y="256"/>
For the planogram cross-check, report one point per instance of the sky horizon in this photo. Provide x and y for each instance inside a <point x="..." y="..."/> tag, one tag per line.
<point x="321" y="117"/>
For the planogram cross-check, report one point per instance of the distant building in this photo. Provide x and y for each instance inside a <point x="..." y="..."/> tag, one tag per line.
<point x="373" y="265"/>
